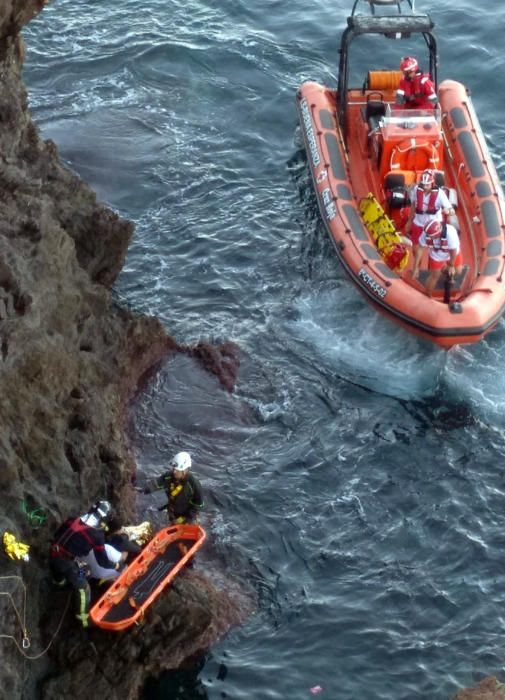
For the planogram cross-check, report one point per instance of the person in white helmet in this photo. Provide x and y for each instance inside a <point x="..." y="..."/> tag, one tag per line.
<point x="79" y="552"/>
<point x="184" y="492"/>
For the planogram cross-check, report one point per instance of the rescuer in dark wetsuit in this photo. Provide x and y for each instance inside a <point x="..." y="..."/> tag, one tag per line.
<point x="185" y="497"/>
<point x="74" y="540"/>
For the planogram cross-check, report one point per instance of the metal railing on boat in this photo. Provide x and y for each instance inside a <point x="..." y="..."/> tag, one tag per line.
<point x="384" y="3"/>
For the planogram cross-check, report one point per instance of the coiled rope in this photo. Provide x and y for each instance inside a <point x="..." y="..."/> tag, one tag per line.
<point x="25" y="641"/>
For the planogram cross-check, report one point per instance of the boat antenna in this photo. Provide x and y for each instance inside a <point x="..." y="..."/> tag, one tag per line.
<point x="384" y="3"/>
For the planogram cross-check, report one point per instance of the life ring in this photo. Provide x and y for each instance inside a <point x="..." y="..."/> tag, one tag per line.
<point x="410" y="155"/>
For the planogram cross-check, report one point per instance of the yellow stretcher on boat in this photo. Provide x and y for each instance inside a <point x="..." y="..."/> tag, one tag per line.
<point x="390" y="244"/>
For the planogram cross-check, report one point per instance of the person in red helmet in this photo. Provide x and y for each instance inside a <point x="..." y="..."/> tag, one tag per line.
<point x="416" y="89"/>
<point x="444" y="252"/>
<point x="429" y="203"/>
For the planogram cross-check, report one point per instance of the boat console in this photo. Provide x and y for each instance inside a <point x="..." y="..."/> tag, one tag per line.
<point x="409" y="140"/>
<point x="412" y="118"/>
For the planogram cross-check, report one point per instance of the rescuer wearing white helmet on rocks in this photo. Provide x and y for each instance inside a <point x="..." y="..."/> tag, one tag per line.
<point x="183" y="490"/>
<point x="79" y="551"/>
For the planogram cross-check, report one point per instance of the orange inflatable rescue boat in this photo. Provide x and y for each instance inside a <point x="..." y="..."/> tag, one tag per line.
<point x="365" y="157"/>
<point x="127" y="599"/>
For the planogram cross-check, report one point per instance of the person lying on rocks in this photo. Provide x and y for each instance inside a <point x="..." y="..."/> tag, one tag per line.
<point x="117" y="536"/>
<point x="184" y="492"/>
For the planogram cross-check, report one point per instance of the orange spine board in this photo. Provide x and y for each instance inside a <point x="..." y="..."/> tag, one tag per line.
<point x="117" y="591"/>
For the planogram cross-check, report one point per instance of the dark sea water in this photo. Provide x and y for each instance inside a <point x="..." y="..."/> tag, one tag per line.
<point x="354" y="478"/>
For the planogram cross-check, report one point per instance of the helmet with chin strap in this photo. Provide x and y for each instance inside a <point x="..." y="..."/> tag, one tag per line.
<point x="408" y="63"/>
<point x="427" y="178"/>
<point x="181" y="461"/>
<point x="97" y="514"/>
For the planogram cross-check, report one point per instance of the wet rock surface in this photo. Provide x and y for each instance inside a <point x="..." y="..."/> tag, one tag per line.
<point x="183" y="623"/>
<point x="488" y="689"/>
<point x="70" y="361"/>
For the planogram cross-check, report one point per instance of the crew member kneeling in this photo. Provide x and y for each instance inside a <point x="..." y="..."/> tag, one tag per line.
<point x="79" y="552"/>
<point x="444" y="252"/>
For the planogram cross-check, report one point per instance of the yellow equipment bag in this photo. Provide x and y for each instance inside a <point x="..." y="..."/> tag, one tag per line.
<point x="15" y="549"/>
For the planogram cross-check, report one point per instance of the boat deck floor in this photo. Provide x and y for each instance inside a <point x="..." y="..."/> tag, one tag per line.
<point x="366" y="179"/>
<point x="457" y="284"/>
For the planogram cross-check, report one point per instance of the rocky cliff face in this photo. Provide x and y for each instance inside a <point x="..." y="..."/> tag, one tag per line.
<point x="69" y="362"/>
<point x="488" y="689"/>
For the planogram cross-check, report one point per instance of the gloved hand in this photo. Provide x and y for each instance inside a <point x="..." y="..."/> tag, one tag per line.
<point x="181" y="520"/>
<point x="83" y="619"/>
<point x="84" y="571"/>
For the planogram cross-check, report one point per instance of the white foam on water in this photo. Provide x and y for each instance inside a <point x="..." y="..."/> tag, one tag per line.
<point x="476" y="374"/>
<point x="365" y="348"/>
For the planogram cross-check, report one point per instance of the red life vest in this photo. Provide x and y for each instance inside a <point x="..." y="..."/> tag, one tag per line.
<point x="418" y="90"/>
<point x="71" y="527"/>
<point x="431" y="209"/>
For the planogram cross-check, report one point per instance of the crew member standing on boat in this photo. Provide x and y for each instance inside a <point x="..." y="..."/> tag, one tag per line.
<point x="185" y="497"/>
<point x="416" y="89"/>
<point x="444" y="252"/>
<point x="429" y="203"/>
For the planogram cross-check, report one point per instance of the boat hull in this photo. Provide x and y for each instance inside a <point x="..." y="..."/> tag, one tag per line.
<point x="344" y="173"/>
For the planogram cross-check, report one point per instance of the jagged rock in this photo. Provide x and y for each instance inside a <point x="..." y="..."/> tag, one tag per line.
<point x="70" y="360"/>
<point x="222" y="360"/>
<point x="115" y="666"/>
<point x="488" y="689"/>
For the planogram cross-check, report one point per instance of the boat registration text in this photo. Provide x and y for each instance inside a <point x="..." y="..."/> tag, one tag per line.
<point x="372" y="284"/>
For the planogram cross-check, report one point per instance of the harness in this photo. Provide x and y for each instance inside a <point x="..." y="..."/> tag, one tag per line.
<point x="441" y="243"/>
<point x="186" y="492"/>
<point x="175" y="489"/>
<point x="72" y="526"/>
<point x="432" y="209"/>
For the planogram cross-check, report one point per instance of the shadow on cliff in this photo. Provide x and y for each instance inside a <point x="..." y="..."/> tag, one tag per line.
<point x="176" y="631"/>
<point x="183" y="684"/>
